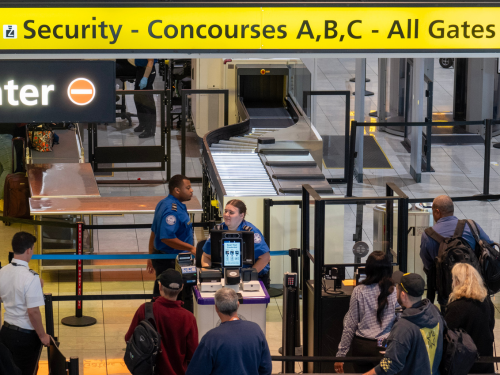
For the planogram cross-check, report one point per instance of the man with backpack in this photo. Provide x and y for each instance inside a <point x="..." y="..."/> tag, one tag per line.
<point x="448" y="233"/>
<point x="415" y="344"/>
<point x="175" y="325"/>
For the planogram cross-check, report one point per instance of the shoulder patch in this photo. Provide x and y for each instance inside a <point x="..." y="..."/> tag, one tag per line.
<point x="257" y="238"/>
<point x="33" y="272"/>
<point x="171" y="219"/>
<point x="247" y="228"/>
<point x="174" y="206"/>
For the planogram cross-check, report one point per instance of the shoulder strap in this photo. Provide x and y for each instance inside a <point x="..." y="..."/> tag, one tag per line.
<point x="218" y="226"/>
<point x="149" y="312"/>
<point x="247" y="228"/>
<point x="434" y="235"/>
<point x="459" y="230"/>
<point x="473" y="229"/>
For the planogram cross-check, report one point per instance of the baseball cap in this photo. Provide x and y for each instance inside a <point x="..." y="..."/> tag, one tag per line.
<point x="170" y="279"/>
<point x="411" y="283"/>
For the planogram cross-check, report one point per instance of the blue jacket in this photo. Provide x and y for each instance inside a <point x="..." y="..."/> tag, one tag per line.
<point x="446" y="227"/>
<point x="260" y="246"/>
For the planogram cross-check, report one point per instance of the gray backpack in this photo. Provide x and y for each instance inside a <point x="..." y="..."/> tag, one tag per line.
<point x="144" y="345"/>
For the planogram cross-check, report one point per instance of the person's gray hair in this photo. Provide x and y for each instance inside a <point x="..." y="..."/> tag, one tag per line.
<point x="444" y="204"/>
<point x="226" y="301"/>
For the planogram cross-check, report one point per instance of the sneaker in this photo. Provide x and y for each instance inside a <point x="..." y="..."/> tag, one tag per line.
<point x="140" y="129"/>
<point x="146" y="134"/>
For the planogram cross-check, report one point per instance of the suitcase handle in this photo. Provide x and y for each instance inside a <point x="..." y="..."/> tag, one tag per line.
<point x="23" y="153"/>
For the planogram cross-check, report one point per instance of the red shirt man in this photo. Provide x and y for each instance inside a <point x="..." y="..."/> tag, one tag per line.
<point x="177" y="326"/>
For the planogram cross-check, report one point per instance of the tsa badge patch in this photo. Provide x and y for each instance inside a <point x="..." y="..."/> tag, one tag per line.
<point x="257" y="238"/>
<point x="171" y="219"/>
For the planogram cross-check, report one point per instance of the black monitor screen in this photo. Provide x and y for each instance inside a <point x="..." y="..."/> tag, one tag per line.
<point x="216" y="247"/>
<point x="232" y="250"/>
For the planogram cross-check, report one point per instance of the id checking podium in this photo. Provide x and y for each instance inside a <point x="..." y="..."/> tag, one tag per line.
<point x="252" y="308"/>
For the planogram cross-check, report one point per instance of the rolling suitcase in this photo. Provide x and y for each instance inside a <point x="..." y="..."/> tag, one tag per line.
<point x="16" y="192"/>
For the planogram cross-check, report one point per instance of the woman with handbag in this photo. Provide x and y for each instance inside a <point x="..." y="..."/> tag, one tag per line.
<point x="371" y="314"/>
<point x="470" y="308"/>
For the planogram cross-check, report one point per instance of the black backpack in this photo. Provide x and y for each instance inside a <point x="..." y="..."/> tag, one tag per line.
<point x="489" y="260"/>
<point x="452" y="250"/>
<point x="144" y="345"/>
<point x="459" y="352"/>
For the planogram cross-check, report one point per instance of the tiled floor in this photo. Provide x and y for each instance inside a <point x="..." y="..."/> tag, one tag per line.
<point x="101" y="347"/>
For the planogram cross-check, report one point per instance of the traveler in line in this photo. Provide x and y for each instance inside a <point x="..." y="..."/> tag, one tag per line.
<point x="471" y="309"/>
<point x="371" y="313"/>
<point x="235" y="347"/>
<point x="176" y="326"/>
<point x="21" y="293"/>
<point x="415" y="344"/>
<point x="445" y="225"/>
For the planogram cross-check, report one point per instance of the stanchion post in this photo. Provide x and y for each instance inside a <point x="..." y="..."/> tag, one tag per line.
<point x="73" y="366"/>
<point x="294" y="261"/>
<point x="49" y="314"/>
<point x="352" y="153"/>
<point x="79" y="320"/>
<point x="290" y="295"/>
<point x="487" y="157"/>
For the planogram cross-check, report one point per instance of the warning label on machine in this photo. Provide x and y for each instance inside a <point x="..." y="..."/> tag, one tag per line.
<point x="165" y="29"/>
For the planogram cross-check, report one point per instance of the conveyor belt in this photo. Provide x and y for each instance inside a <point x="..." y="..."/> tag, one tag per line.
<point x="236" y="168"/>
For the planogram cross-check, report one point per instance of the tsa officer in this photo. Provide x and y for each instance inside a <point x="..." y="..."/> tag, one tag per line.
<point x="21" y="293"/>
<point x="172" y="233"/>
<point x="234" y="219"/>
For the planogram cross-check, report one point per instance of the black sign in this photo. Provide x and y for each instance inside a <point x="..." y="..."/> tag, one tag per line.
<point x="360" y="249"/>
<point x="57" y="91"/>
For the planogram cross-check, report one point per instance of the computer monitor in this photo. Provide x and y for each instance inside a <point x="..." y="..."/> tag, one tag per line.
<point x="216" y="237"/>
<point x="232" y="252"/>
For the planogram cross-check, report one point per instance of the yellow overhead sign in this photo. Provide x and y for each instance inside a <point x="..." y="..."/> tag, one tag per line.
<point x="244" y="29"/>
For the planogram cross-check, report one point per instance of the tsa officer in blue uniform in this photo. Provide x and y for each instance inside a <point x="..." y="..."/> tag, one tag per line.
<point x="172" y="233"/>
<point x="234" y="219"/>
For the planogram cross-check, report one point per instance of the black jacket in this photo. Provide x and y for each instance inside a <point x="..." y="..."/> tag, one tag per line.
<point x="407" y="353"/>
<point x="478" y="320"/>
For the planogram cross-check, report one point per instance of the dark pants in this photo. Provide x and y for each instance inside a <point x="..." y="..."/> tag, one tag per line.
<point x="361" y="347"/>
<point x="145" y="103"/>
<point x="186" y="295"/>
<point x="25" y="349"/>
<point x="266" y="280"/>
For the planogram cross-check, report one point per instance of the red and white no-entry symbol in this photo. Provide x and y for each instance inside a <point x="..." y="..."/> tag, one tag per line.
<point x="81" y="91"/>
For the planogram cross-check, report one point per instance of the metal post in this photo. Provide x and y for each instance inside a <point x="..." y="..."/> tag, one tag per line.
<point x="290" y="295"/>
<point x="294" y="261"/>
<point x="306" y="264"/>
<point x="79" y="320"/>
<point x="183" y="134"/>
<point x="487" y="157"/>
<point x="352" y="156"/>
<point x="73" y="366"/>
<point x="382" y="89"/>
<point x="319" y="260"/>
<point x="268" y="202"/>
<point x="359" y="115"/>
<point x="49" y="314"/>
<point x="403" y="234"/>
<point x="389" y="225"/>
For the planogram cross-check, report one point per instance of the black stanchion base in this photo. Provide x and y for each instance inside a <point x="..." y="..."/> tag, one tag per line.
<point x="367" y="93"/>
<point x="496" y="145"/>
<point x="354" y="79"/>
<point x="74" y="321"/>
<point x="373" y="114"/>
<point x="485" y="200"/>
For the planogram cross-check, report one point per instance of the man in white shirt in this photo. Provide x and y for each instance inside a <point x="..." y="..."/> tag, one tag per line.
<point x="21" y="293"/>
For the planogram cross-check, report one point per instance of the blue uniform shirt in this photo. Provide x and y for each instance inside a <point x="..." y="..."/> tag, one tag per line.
<point x="171" y="221"/>
<point x="446" y="227"/>
<point x="260" y="246"/>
